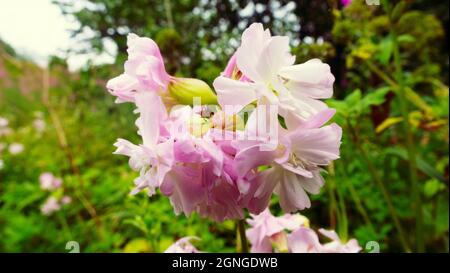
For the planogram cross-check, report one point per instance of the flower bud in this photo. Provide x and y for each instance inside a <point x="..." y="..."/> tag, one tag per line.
<point x="184" y="90"/>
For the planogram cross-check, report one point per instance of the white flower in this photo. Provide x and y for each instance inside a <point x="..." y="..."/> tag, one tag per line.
<point x="50" y="206"/>
<point x="39" y="125"/>
<point x="3" y="122"/>
<point x="16" y="148"/>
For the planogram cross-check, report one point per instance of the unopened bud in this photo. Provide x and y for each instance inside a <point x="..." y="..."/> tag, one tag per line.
<point x="184" y="90"/>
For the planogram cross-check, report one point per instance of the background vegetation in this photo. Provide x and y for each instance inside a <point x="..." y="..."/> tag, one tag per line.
<point x="391" y="65"/>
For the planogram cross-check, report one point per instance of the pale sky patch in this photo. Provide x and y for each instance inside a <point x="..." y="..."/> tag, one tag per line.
<point x="37" y="29"/>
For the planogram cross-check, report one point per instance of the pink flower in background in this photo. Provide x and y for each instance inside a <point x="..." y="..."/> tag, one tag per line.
<point x="144" y="70"/>
<point x="4" y="122"/>
<point x="291" y="233"/>
<point x="65" y="200"/>
<point x="39" y="125"/>
<point x="265" y="228"/>
<point x="346" y="2"/>
<point x="16" y="148"/>
<point x="336" y="245"/>
<point x="46" y="181"/>
<point x="50" y="206"/>
<point x="304" y="240"/>
<point x="183" y="245"/>
<point x="49" y="182"/>
<point x="57" y="182"/>
<point x="4" y="129"/>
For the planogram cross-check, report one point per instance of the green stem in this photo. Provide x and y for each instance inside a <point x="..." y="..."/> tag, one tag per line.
<point x="356" y="199"/>
<point x="333" y="211"/>
<point x="241" y="236"/>
<point x="168" y="8"/>
<point x="342" y="212"/>
<point x="380" y="184"/>
<point x="410" y="146"/>
<point x="65" y="226"/>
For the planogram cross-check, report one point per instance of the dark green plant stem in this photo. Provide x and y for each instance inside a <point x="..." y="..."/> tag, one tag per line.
<point x="380" y="184"/>
<point x="342" y="212"/>
<point x="65" y="226"/>
<point x="356" y="199"/>
<point x="333" y="210"/>
<point x="242" y="236"/>
<point x="410" y="145"/>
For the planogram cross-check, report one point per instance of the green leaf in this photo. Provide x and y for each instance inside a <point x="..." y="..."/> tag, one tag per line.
<point x="387" y="123"/>
<point x="354" y="97"/>
<point x="432" y="187"/>
<point x="398" y="10"/>
<point x="442" y="215"/>
<point x="406" y="38"/>
<point x="375" y="97"/>
<point x="138" y="223"/>
<point x="340" y="106"/>
<point x="385" y="51"/>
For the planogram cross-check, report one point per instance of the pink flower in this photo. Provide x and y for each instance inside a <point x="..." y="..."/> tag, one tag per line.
<point x="49" y="182"/>
<point x="16" y="148"/>
<point x="4" y="129"/>
<point x="183" y="245"/>
<point x="230" y="68"/>
<point x="46" y="181"/>
<point x="305" y="240"/>
<point x="265" y="228"/>
<point x="39" y="125"/>
<point x="232" y="71"/>
<point x="50" y="206"/>
<point x="200" y="180"/>
<point x="66" y="200"/>
<point x="197" y="161"/>
<point x="336" y="245"/>
<point x="153" y="159"/>
<point x="266" y="62"/>
<point x="4" y="122"/>
<point x="268" y="232"/>
<point x="144" y="71"/>
<point x="294" y="163"/>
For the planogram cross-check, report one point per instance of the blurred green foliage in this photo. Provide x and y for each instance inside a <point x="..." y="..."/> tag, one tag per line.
<point x="197" y="38"/>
